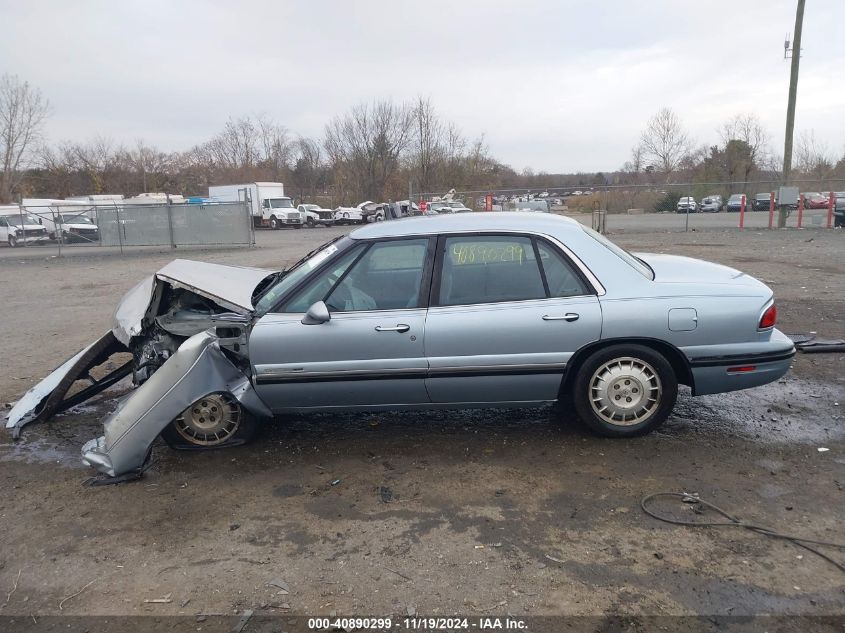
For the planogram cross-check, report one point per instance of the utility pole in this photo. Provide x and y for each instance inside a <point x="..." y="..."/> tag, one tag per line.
<point x="790" y="108"/>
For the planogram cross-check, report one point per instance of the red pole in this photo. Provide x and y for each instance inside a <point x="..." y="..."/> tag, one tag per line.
<point x="800" y="209"/>
<point x="830" y="202"/>
<point x="771" y="208"/>
<point x="742" y="212"/>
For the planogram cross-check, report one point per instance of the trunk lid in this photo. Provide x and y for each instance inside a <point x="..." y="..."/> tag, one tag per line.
<point x="678" y="269"/>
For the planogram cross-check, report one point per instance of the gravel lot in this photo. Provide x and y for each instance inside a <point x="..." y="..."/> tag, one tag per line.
<point x="471" y="512"/>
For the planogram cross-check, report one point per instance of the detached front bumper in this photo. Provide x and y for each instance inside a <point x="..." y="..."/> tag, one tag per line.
<point x="198" y="368"/>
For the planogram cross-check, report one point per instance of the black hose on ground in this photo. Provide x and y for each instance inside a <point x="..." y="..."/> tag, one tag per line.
<point x="733" y="521"/>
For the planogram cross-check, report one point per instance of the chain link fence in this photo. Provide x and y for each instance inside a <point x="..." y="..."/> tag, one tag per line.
<point x="671" y="207"/>
<point x="69" y="224"/>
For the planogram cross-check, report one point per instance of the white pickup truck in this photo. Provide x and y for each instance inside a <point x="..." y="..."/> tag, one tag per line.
<point x="314" y="214"/>
<point x="17" y="229"/>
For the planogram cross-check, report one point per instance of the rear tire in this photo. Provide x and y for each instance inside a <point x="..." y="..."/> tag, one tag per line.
<point x="625" y="391"/>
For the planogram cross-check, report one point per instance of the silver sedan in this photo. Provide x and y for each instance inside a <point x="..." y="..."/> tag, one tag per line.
<point x="456" y="311"/>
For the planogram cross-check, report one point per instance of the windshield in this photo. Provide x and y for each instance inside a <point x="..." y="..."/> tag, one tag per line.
<point x="636" y="263"/>
<point x="281" y="203"/>
<point x="310" y="206"/>
<point x="18" y="221"/>
<point x="737" y="197"/>
<point x="295" y="273"/>
<point x="76" y="219"/>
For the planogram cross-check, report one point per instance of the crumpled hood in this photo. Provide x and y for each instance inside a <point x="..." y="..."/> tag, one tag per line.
<point x="678" y="269"/>
<point x="229" y="286"/>
<point x="232" y="285"/>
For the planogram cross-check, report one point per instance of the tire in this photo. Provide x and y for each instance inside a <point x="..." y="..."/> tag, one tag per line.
<point x="620" y="373"/>
<point x="274" y="223"/>
<point x="310" y="222"/>
<point x="13" y="242"/>
<point x="195" y="430"/>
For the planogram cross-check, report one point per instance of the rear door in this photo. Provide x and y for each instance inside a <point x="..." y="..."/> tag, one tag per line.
<point x="507" y="312"/>
<point x="370" y="354"/>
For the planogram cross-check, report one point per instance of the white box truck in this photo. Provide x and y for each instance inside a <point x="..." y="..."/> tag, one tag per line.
<point x="270" y="206"/>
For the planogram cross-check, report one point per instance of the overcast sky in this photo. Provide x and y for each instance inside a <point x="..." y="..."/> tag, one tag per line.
<point x="554" y="85"/>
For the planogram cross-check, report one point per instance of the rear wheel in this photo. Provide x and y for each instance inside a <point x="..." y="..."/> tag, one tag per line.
<point x="214" y="421"/>
<point x="625" y="391"/>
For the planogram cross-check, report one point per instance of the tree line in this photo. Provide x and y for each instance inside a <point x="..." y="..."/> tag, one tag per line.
<point x="375" y="150"/>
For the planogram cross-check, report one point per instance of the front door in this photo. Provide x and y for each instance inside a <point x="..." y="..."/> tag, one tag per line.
<point x="369" y="354"/>
<point x="507" y="313"/>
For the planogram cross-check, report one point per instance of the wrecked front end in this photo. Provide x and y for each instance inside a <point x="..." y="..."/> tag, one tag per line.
<point x="183" y="336"/>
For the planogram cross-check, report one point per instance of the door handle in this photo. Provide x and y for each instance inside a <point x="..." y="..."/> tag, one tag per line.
<point x="401" y="327"/>
<point x="569" y="316"/>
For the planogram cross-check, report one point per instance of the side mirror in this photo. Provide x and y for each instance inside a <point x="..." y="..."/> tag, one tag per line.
<point x="317" y="313"/>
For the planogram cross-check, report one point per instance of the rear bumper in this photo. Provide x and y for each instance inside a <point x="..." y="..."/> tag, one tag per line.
<point x="729" y="370"/>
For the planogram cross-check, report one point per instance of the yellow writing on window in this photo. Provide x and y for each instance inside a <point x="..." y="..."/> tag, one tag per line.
<point x="485" y="254"/>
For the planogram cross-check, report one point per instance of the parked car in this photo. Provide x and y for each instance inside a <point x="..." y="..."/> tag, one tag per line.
<point x="687" y="204"/>
<point x="359" y="214"/>
<point x="368" y="211"/>
<point x="314" y="215"/>
<point x="19" y="229"/>
<point x="457" y="311"/>
<point x="459" y="207"/>
<point x="734" y="202"/>
<point x="816" y="200"/>
<point x="761" y="202"/>
<point x="712" y="204"/>
<point x="441" y="207"/>
<point x="839" y="210"/>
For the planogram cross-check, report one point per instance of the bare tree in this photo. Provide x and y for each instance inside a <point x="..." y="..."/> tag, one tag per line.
<point x="813" y="156"/>
<point x="275" y="147"/>
<point x="236" y="147"/>
<point x="308" y="165"/>
<point x="23" y="110"/>
<point x="150" y="163"/>
<point x="97" y="159"/>
<point x="367" y="143"/>
<point x="749" y="129"/>
<point x="664" y="142"/>
<point x="427" y="148"/>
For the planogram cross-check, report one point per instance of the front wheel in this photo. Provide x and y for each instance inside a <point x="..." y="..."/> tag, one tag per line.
<point x="13" y="242"/>
<point x="214" y="421"/>
<point x="625" y="391"/>
<point x="274" y="222"/>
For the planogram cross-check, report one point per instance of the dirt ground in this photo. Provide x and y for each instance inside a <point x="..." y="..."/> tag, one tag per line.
<point x="474" y="513"/>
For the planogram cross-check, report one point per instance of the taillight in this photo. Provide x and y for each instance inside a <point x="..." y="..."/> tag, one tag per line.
<point x="770" y="316"/>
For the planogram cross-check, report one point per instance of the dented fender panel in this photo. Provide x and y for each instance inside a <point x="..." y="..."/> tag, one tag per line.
<point x="197" y="369"/>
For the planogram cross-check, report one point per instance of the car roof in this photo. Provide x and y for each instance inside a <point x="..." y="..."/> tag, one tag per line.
<point x="490" y="221"/>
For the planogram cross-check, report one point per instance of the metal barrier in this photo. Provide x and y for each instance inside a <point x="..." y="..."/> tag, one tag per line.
<point x="127" y="225"/>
